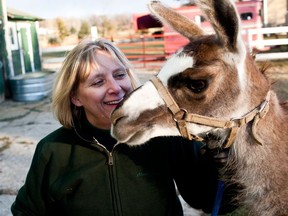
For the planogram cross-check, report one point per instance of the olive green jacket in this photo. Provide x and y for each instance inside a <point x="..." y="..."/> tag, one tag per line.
<point x="73" y="174"/>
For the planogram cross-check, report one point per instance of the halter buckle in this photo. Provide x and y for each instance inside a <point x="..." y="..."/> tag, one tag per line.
<point x="262" y="111"/>
<point x="236" y="122"/>
<point x="180" y="115"/>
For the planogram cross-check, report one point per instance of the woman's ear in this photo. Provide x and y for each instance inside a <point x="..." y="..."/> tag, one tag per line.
<point x="74" y="99"/>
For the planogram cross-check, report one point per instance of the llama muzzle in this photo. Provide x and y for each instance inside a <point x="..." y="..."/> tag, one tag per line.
<point x="116" y="115"/>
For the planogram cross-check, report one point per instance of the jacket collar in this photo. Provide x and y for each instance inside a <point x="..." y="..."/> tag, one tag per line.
<point x="87" y="132"/>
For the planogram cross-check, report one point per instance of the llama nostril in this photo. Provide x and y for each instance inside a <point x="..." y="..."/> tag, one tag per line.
<point x="115" y="120"/>
<point x="116" y="115"/>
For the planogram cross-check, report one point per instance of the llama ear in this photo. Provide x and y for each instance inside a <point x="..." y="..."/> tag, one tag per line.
<point x="223" y="16"/>
<point x="74" y="99"/>
<point x="175" y="20"/>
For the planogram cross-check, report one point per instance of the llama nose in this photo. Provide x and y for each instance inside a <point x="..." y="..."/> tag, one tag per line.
<point x="116" y="115"/>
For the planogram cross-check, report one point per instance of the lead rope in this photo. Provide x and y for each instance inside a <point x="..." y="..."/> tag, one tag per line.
<point x="218" y="198"/>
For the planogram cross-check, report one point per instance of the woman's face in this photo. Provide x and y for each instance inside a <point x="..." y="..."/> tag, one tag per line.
<point x="103" y="90"/>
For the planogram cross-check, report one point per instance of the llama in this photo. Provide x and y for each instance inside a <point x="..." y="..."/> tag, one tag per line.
<point x="212" y="91"/>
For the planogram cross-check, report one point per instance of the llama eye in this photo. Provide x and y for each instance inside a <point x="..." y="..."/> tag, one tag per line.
<point x="197" y="86"/>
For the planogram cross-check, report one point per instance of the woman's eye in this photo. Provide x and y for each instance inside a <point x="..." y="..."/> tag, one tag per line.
<point x="197" y="86"/>
<point x="97" y="83"/>
<point x="120" y="75"/>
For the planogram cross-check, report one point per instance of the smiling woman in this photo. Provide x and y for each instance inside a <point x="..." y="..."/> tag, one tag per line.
<point x="97" y="75"/>
<point x="106" y="86"/>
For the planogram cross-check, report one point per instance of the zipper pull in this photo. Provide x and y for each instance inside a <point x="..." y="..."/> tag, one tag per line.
<point x="110" y="159"/>
<point x="103" y="149"/>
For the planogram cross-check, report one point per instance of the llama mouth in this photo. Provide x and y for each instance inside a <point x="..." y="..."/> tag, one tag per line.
<point x="134" y="138"/>
<point x="133" y="134"/>
<point x="215" y="138"/>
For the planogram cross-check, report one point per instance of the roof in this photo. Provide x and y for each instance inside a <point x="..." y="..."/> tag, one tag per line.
<point x="16" y="15"/>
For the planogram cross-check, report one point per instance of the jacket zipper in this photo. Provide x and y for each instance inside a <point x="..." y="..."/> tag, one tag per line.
<point x="103" y="148"/>
<point x="110" y="162"/>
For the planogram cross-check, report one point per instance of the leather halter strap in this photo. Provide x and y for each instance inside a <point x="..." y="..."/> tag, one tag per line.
<point x="181" y="116"/>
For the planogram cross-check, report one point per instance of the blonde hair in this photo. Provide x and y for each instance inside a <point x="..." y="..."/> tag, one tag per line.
<point x="75" y="69"/>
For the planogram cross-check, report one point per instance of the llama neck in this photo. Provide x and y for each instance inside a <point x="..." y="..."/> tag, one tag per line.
<point x="255" y="165"/>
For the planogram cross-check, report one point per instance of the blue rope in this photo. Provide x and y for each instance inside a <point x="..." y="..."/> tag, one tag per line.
<point x="218" y="198"/>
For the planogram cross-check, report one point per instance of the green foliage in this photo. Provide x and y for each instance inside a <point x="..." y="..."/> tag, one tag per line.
<point x="73" y="30"/>
<point x="62" y="30"/>
<point x="53" y="41"/>
<point x="84" y="30"/>
<point x="106" y="25"/>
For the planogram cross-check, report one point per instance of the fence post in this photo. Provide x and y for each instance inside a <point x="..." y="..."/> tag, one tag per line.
<point x="144" y="52"/>
<point x="250" y="39"/>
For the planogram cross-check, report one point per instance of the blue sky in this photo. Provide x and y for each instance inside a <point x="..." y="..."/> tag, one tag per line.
<point x="81" y="8"/>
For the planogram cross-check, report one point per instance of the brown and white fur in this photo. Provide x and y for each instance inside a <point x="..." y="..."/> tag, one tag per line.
<point x="215" y="76"/>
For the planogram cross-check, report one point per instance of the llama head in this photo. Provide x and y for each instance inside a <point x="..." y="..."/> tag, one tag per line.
<point x="211" y="76"/>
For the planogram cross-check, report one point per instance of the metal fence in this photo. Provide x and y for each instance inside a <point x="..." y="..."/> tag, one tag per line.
<point x="143" y="51"/>
<point x="150" y="51"/>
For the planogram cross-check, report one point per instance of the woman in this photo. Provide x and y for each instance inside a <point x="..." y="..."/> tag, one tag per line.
<point x="79" y="169"/>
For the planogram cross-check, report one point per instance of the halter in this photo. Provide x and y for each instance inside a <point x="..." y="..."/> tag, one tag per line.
<point x="182" y="117"/>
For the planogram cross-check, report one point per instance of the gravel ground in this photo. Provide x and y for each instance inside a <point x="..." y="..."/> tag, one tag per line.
<point x="22" y="125"/>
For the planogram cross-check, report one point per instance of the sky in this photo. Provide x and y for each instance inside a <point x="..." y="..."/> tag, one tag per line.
<point x="49" y="9"/>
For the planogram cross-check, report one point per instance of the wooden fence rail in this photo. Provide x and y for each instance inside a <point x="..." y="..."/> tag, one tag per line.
<point x="274" y="37"/>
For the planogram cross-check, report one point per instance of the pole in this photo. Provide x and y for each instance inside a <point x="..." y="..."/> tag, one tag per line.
<point x="265" y="13"/>
<point x="3" y="43"/>
<point x="3" y="50"/>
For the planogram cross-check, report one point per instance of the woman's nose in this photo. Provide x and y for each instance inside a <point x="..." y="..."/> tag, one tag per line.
<point x="114" y="86"/>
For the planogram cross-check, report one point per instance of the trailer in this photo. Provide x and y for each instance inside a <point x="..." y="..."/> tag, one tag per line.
<point x="250" y="13"/>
